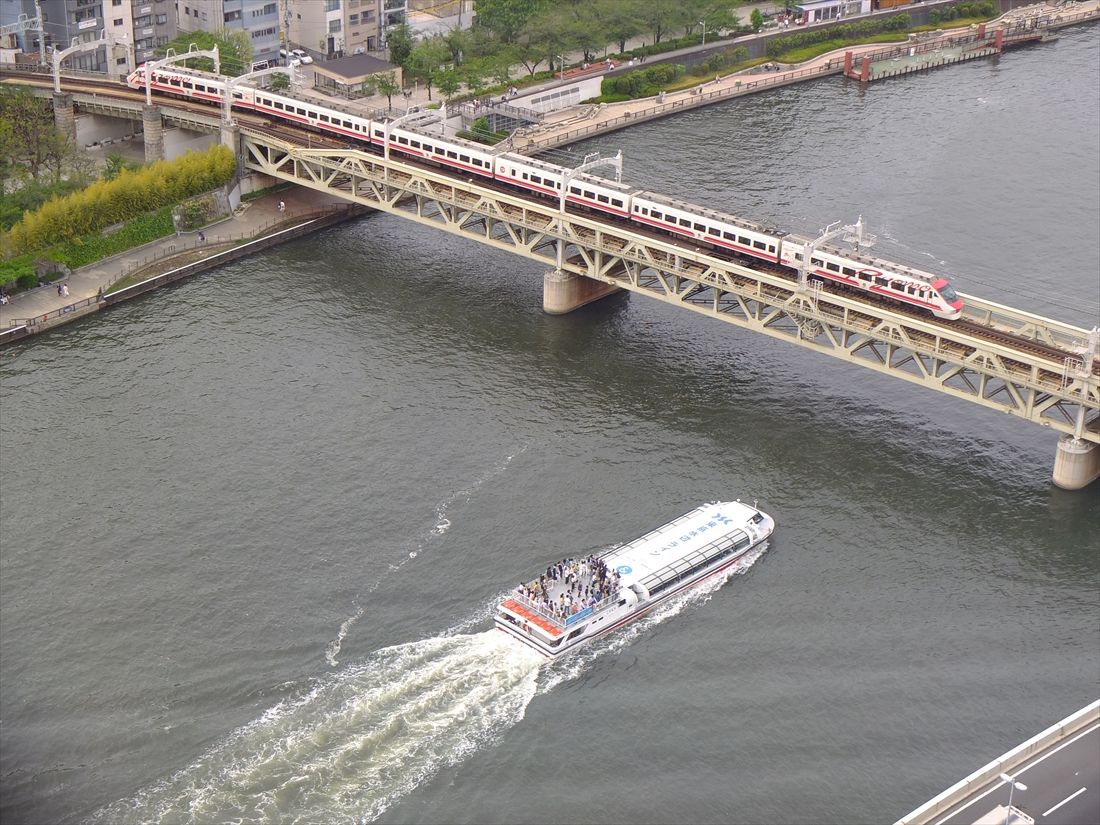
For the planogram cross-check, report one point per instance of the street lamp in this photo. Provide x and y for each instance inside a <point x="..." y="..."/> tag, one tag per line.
<point x="1013" y="785"/>
<point x="704" y="25"/>
<point x="562" y="59"/>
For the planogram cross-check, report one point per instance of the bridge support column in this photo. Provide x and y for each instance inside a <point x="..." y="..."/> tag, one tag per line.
<point x="564" y="292"/>
<point x="63" y="116"/>
<point x="153" y="125"/>
<point x="1077" y="463"/>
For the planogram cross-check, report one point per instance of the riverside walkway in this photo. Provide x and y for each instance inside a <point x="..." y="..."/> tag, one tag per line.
<point x="43" y="308"/>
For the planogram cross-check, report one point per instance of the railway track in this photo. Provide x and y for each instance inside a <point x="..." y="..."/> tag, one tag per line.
<point x="309" y="138"/>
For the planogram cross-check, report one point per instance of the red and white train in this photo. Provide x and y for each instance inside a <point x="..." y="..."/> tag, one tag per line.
<point x="726" y="233"/>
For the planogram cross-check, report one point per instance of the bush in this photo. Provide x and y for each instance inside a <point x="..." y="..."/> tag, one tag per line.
<point x="845" y="32"/>
<point x="109" y="202"/>
<point x="643" y="82"/>
<point x="28" y="280"/>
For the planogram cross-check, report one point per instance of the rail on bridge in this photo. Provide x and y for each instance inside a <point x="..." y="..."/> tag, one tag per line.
<point x="1027" y="366"/>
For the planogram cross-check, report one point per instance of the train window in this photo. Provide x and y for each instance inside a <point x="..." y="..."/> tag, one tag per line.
<point x="816" y="262"/>
<point x="729" y="236"/>
<point x="302" y="111"/>
<point x="798" y="256"/>
<point x="439" y="150"/>
<point x="464" y="158"/>
<point x="535" y="179"/>
<point x="278" y="105"/>
<point x="743" y="239"/>
<point x="685" y="222"/>
<point x="603" y="198"/>
<point x="881" y="281"/>
<point x="847" y="270"/>
<point x="909" y="288"/>
<point x="656" y="214"/>
<point x="415" y="144"/>
<point x="771" y="247"/>
<point x="758" y="244"/>
<point x="700" y="228"/>
<point x="832" y="267"/>
<point x="588" y="193"/>
<point x="616" y="203"/>
<point x="452" y="155"/>
<point x="865" y="276"/>
<point x="716" y="233"/>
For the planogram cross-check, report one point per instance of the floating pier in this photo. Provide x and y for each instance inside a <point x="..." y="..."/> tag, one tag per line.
<point x="930" y="51"/>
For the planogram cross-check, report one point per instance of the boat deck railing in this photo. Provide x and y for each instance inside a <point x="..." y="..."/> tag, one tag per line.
<point x="573" y="618"/>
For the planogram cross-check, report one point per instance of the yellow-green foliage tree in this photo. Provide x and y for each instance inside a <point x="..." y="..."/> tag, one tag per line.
<point x="131" y="194"/>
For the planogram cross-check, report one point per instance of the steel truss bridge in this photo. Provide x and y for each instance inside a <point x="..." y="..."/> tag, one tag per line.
<point x="1030" y="367"/>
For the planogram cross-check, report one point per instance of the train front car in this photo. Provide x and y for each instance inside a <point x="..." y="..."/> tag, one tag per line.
<point x="950" y="304"/>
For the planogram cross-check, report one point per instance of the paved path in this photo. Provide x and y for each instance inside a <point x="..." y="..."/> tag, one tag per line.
<point x="253" y="220"/>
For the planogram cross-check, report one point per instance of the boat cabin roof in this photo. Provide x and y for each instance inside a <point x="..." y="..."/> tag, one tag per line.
<point x="664" y="550"/>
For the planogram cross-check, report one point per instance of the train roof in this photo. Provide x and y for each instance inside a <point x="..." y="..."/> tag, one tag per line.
<point x="696" y="209"/>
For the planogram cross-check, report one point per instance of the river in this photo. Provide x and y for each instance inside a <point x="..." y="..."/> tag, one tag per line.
<point x="253" y="525"/>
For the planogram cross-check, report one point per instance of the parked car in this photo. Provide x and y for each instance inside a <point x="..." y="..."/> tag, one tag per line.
<point x="301" y="55"/>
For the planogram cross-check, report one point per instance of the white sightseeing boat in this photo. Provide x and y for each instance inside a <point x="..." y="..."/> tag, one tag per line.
<point x="576" y="599"/>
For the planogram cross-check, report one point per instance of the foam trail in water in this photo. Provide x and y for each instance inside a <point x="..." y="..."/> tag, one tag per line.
<point x="364" y="737"/>
<point x="441" y="526"/>
<point x="356" y="742"/>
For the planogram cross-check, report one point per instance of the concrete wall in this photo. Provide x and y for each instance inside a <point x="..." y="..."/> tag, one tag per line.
<point x="91" y="129"/>
<point x="179" y="141"/>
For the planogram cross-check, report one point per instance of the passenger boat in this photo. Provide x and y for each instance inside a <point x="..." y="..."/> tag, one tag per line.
<point x="577" y="599"/>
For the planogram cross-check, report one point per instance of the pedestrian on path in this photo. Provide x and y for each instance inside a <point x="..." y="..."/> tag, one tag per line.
<point x="282" y="206"/>
<point x="59" y="290"/>
<point x="64" y="290"/>
<point x="202" y="237"/>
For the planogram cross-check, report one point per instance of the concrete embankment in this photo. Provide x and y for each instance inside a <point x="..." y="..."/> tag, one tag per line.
<point x="581" y="122"/>
<point x="261" y="225"/>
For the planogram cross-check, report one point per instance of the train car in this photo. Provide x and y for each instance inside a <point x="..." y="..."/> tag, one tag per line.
<point x="453" y="153"/>
<point x="883" y="278"/>
<point x="706" y="226"/>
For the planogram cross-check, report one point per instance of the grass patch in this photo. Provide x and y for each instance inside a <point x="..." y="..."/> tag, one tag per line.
<point x="826" y="46"/>
<point x="93" y="247"/>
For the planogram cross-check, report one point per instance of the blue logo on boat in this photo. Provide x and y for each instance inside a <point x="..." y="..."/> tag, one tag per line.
<point x="623" y="569"/>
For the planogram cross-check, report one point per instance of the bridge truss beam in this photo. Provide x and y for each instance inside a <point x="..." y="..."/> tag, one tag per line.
<point x="921" y="351"/>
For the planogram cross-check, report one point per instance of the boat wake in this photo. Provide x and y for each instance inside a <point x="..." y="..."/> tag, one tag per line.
<point x="356" y="742"/>
<point x="441" y="525"/>
<point x="361" y="738"/>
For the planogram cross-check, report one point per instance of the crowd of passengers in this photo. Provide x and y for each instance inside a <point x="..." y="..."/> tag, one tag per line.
<point x="586" y="582"/>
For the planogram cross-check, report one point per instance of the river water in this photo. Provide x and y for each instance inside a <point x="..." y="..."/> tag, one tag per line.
<point x="253" y="526"/>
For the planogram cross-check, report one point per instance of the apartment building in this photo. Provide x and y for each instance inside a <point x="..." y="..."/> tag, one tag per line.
<point x="338" y="28"/>
<point x="258" y="18"/>
<point x="133" y="28"/>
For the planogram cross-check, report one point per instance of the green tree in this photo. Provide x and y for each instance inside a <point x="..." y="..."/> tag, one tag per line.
<point x="386" y="84"/>
<point x="234" y="50"/>
<point x="29" y="138"/>
<point x="506" y="18"/>
<point x="622" y="20"/>
<point x="280" y="81"/>
<point x="756" y="20"/>
<point x="399" y="41"/>
<point x="426" y="58"/>
<point x="448" y="84"/>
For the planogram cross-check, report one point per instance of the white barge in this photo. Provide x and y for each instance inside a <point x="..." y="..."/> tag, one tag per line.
<point x="575" y="600"/>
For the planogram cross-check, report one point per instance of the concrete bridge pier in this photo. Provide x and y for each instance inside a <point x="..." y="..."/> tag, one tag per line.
<point x="1076" y="464"/>
<point x="64" y="118"/>
<point x="153" y="124"/>
<point x="564" y="292"/>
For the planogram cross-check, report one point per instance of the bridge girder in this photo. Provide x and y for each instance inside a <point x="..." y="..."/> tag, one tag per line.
<point x="920" y="351"/>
